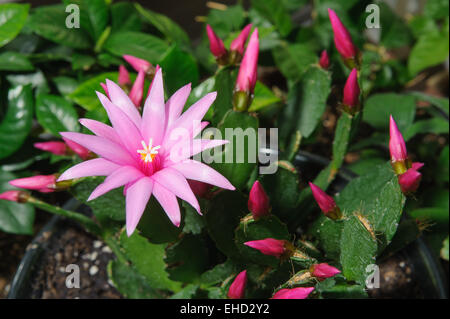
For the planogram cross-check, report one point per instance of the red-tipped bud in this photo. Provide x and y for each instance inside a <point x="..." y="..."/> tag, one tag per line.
<point x="294" y="293"/>
<point x="342" y="38"/>
<point x="137" y="91"/>
<point x="268" y="246"/>
<point x="351" y="92"/>
<point x="12" y="196"/>
<point x="215" y="43"/>
<point x="324" y="60"/>
<point x="238" y="44"/>
<point x="323" y="271"/>
<point x="81" y="151"/>
<point x="41" y="183"/>
<point x="199" y="188"/>
<point x="105" y="88"/>
<point x="237" y="288"/>
<point x="246" y="79"/>
<point x="410" y="180"/>
<point x="57" y="148"/>
<point x="138" y="64"/>
<point x="397" y="148"/>
<point x="325" y="202"/>
<point x="258" y="202"/>
<point x="124" y="76"/>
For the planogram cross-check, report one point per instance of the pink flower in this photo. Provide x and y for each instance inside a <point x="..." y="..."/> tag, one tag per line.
<point x="137" y="91"/>
<point x="323" y="271"/>
<point x="237" y="288"/>
<point x="215" y="43"/>
<point x="57" y="148"/>
<point x="124" y="76"/>
<point x="138" y="64"/>
<point x="258" y="202"/>
<point x="325" y="202"/>
<point x="294" y="293"/>
<point x="238" y="44"/>
<point x="41" y="183"/>
<point x="268" y="246"/>
<point x="410" y="180"/>
<point x="397" y="145"/>
<point x="149" y="154"/>
<point x="81" y="151"/>
<point x="351" y="90"/>
<point x="342" y="38"/>
<point x="12" y="196"/>
<point x="324" y="60"/>
<point x="104" y="87"/>
<point x="246" y="78"/>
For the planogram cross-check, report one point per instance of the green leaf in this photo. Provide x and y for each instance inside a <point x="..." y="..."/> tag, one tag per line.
<point x="225" y="21"/>
<point x="172" y="31"/>
<point x="187" y="259"/>
<point x="179" y="68"/>
<point x="124" y="17"/>
<point x="36" y="80"/>
<point x="328" y="232"/>
<point x="65" y="85"/>
<point x="15" y="218"/>
<point x="12" y="19"/>
<point x="14" y="61"/>
<point x="394" y="32"/>
<point x="436" y="9"/>
<point x="188" y="292"/>
<point x="276" y="13"/>
<point x="198" y="92"/>
<point x="437" y="214"/>
<point x="269" y="227"/>
<point x="379" y="107"/>
<point x="222" y="218"/>
<point x="224" y="86"/>
<point x="431" y="49"/>
<point x="377" y="197"/>
<point x="193" y="222"/>
<point x="441" y="103"/>
<point x="130" y="283"/>
<point x="148" y="259"/>
<point x="235" y="163"/>
<point x="139" y="44"/>
<point x="108" y="206"/>
<point x="437" y="125"/>
<point x="444" y="250"/>
<point x="344" y="291"/>
<point x="56" y="114"/>
<point x="50" y="23"/>
<point x="82" y="62"/>
<point x="263" y="97"/>
<point x="340" y="142"/>
<point x="219" y="273"/>
<point x="16" y="124"/>
<point x="85" y="95"/>
<point x="358" y="250"/>
<point x="94" y="17"/>
<point x="293" y="59"/>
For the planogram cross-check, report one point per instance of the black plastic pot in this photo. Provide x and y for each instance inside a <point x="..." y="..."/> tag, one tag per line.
<point x="431" y="281"/>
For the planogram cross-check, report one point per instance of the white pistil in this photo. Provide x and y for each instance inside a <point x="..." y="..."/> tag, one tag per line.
<point x="148" y="153"/>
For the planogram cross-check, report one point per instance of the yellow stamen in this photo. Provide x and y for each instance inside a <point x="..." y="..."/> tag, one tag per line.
<point x="149" y="152"/>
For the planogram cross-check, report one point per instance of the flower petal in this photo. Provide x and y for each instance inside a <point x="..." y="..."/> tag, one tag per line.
<point x="94" y="167"/>
<point x="121" y="99"/>
<point x="168" y="202"/>
<point x="200" y="172"/>
<point x="175" y="181"/>
<point x="185" y="149"/>
<point x="137" y="198"/>
<point x="101" y="146"/>
<point x="153" y="118"/>
<point x="120" y="177"/>
<point x="101" y="129"/>
<point x="175" y="104"/>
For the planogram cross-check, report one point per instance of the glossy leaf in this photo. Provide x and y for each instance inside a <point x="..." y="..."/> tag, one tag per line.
<point x="14" y="61"/>
<point x="12" y="18"/>
<point x="56" y="114"/>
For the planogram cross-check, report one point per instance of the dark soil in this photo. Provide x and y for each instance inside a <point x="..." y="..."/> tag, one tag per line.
<point x="72" y="245"/>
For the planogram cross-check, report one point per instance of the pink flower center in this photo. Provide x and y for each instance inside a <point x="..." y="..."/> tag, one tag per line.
<point x="149" y="152"/>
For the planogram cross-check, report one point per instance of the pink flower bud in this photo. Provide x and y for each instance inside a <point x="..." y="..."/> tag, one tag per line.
<point x="238" y="44"/>
<point x="324" y="61"/>
<point x="137" y="90"/>
<point x="325" y="202"/>
<point x="397" y="145"/>
<point x="246" y="79"/>
<point x="124" y="76"/>
<point x="41" y="183"/>
<point x="294" y="293"/>
<point x="351" y="90"/>
<point x="215" y="43"/>
<point x="342" y="38"/>
<point x="258" y="202"/>
<point x="81" y="151"/>
<point x="57" y="148"/>
<point x="268" y="246"/>
<point x="199" y="188"/>
<point x="323" y="271"/>
<point x="105" y="88"/>
<point x="12" y="196"/>
<point x="138" y="64"/>
<point x="410" y="181"/>
<point x="237" y="288"/>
